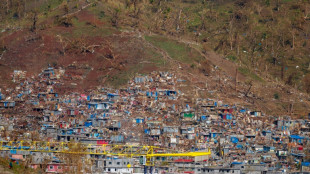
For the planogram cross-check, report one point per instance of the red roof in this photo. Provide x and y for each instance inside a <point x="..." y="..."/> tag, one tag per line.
<point x="184" y="160"/>
<point x="189" y="172"/>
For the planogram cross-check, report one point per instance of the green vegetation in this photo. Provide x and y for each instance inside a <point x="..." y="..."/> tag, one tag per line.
<point x="49" y="5"/>
<point x="16" y="169"/>
<point x="152" y="60"/>
<point x="276" y="96"/>
<point x="248" y="73"/>
<point x="82" y="28"/>
<point x="121" y="78"/>
<point x="232" y="58"/>
<point x="157" y="59"/>
<point x="176" y="50"/>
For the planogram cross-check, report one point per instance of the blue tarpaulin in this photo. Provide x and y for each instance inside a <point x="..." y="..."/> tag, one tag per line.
<point x="203" y="117"/>
<point x="307" y="164"/>
<point x="234" y="140"/>
<point x="112" y="95"/>
<point x="138" y="120"/>
<point x="147" y="131"/>
<point x="88" y="124"/>
<point x="242" y="111"/>
<point x="168" y="93"/>
<point x="296" y="137"/>
<point x="93" y="115"/>
<point x="239" y="146"/>
<point x="266" y="148"/>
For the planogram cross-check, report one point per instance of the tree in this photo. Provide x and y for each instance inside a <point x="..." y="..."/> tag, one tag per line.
<point x="66" y="9"/>
<point x="34" y="21"/>
<point x="115" y="17"/>
<point x="136" y="7"/>
<point x="7" y="6"/>
<point x="74" y="162"/>
<point x="307" y="83"/>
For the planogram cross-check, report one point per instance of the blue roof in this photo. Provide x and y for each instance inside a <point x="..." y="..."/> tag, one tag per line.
<point x="267" y="131"/>
<point x="235" y="162"/>
<point x="305" y="164"/>
<point x="297" y="137"/>
<point x="110" y="94"/>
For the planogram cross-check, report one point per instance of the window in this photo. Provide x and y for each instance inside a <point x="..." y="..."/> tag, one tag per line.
<point x="233" y="171"/>
<point x="110" y="162"/>
<point x="198" y="170"/>
<point x="109" y="169"/>
<point x="118" y="163"/>
<point x="51" y="167"/>
<point x="59" y="167"/>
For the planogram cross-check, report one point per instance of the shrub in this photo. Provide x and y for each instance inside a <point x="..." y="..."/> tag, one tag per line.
<point x="276" y="96"/>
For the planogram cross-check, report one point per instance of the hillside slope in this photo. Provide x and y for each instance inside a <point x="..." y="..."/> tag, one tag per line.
<point x="105" y="43"/>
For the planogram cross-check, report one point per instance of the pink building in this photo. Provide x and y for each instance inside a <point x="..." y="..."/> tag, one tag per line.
<point x="54" y="168"/>
<point x="35" y="166"/>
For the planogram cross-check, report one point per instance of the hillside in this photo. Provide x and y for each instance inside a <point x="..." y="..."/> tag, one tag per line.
<point x="252" y="53"/>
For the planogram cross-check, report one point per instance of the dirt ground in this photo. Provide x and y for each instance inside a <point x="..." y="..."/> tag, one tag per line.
<point x="4" y="171"/>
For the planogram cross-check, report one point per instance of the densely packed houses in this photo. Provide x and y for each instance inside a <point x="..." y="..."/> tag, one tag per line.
<point x="151" y="110"/>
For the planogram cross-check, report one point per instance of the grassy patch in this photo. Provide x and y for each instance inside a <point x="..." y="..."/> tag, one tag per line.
<point x="232" y="58"/>
<point x="78" y="24"/>
<point x="124" y="76"/>
<point x="176" y="50"/>
<point x="152" y="59"/>
<point x="156" y="58"/>
<point x="248" y="73"/>
<point x="82" y="29"/>
<point x="49" y="5"/>
<point x="101" y="12"/>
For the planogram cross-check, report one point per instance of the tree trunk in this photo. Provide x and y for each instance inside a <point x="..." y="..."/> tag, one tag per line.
<point x="293" y="36"/>
<point x="178" y="20"/>
<point x="7" y="6"/>
<point x="236" y="80"/>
